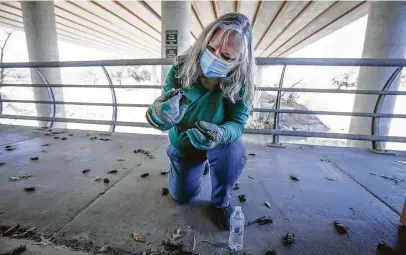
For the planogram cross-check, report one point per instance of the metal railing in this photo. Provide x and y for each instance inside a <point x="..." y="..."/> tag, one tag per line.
<point x="374" y="137"/>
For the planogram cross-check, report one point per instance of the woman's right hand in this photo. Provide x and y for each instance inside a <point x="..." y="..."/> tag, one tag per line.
<point x="168" y="109"/>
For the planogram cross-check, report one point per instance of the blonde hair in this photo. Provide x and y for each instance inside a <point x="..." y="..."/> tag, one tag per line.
<point x="241" y="78"/>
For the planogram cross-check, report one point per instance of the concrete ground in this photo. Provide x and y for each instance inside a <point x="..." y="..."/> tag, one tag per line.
<point x="72" y="211"/>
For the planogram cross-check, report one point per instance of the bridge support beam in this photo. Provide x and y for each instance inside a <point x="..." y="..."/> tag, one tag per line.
<point x="385" y="37"/>
<point x="42" y="44"/>
<point x="176" y="20"/>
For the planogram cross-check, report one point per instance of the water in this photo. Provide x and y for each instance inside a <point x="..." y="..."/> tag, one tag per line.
<point x="237" y="221"/>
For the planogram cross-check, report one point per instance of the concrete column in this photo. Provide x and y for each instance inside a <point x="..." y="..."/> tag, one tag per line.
<point x="176" y="20"/>
<point x="42" y="44"/>
<point x="385" y="37"/>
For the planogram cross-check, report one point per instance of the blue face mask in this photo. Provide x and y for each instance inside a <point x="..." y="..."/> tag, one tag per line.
<point x="212" y="66"/>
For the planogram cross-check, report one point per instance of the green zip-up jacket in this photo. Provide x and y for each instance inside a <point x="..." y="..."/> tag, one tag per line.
<point x="203" y="105"/>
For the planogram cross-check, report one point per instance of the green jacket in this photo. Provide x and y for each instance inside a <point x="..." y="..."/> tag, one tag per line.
<point x="203" y="105"/>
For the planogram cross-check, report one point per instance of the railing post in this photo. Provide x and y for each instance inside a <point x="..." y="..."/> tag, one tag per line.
<point x="51" y="97"/>
<point x="275" y="138"/>
<point x="113" y="98"/>
<point x="376" y="145"/>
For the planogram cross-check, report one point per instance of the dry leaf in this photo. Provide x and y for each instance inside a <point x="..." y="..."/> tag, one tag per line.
<point x="139" y="238"/>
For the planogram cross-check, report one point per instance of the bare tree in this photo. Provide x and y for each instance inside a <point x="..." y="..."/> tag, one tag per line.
<point x="292" y="97"/>
<point x="289" y="97"/>
<point x="139" y="75"/>
<point x="2" y="51"/>
<point x="343" y="82"/>
<point x="119" y="75"/>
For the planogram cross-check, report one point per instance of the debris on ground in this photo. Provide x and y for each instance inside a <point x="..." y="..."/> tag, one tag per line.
<point x="9" y="148"/>
<point x="103" y="249"/>
<point x="34" y="158"/>
<point x="114" y="171"/>
<point x="164" y="172"/>
<point x="85" y="170"/>
<point x="392" y="178"/>
<point x="288" y="239"/>
<point x="93" y="138"/>
<point x="29" y="188"/>
<point x="261" y="221"/>
<point x="165" y="191"/>
<point x="25" y="233"/>
<point x="252" y="154"/>
<point x="139" y="238"/>
<point x="173" y="244"/>
<point x="2" y="163"/>
<point x="293" y="178"/>
<point x="106" y="180"/>
<point x="273" y="252"/>
<point x="16" y="251"/>
<point x="249" y="176"/>
<point x="16" y="178"/>
<point x="70" y="135"/>
<point x="236" y="186"/>
<point x="120" y="160"/>
<point x="372" y="173"/>
<point x="64" y="138"/>
<point x="56" y="137"/>
<point x="145" y="152"/>
<point x="329" y="179"/>
<point x="104" y="139"/>
<point x="144" y="175"/>
<point x="242" y="198"/>
<point x="384" y="249"/>
<point x="44" y="151"/>
<point x="57" y="132"/>
<point x="322" y="159"/>
<point x="11" y="230"/>
<point x="340" y="228"/>
<point x="267" y="205"/>
<point x="353" y="211"/>
<point x="46" y="134"/>
<point x="97" y="179"/>
<point x="45" y="144"/>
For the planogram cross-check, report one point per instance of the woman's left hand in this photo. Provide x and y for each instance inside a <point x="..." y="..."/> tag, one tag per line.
<point x="201" y="141"/>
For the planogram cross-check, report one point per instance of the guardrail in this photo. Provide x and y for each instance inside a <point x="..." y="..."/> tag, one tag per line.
<point x="375" y="138"/>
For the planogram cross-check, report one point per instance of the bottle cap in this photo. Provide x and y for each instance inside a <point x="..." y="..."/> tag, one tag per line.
<point x="238" y="208"/>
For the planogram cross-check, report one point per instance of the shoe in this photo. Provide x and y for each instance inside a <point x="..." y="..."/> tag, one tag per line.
<point x="222" y="216"/>
<point x="206" y="168"/>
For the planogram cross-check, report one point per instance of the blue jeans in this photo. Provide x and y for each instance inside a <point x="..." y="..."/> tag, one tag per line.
<point x="186" y="172"/>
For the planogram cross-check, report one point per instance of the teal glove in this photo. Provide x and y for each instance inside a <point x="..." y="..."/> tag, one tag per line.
<point x="205" y="142"/>
<point x="167" y="109"/>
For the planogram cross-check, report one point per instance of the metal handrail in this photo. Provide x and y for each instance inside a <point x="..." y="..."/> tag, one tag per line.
<point x="259" y="61"/>
<point x="378" y="106"/>
<point x="113" y="98"/>
<point x="276" y="132"/>
<point x="275" y="138"/>
<point x="273" y="89"/>
<point x="280" y="110"/>
<point x="51" y="97"/>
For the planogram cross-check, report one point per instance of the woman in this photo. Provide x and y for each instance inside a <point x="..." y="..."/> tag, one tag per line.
<point x="205" y="105"/>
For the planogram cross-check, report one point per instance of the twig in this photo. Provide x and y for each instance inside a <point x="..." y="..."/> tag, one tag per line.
<point x="194" y="243"/>
<point x="210" y="242"/>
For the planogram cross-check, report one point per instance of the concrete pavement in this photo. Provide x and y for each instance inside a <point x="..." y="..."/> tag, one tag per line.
<point x="75" y="211"/>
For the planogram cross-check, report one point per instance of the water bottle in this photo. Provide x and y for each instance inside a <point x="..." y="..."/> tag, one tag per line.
<point x="237" y="221"/>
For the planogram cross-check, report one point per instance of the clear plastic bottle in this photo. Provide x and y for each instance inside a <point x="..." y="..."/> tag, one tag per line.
<point x="237" y="222"/>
